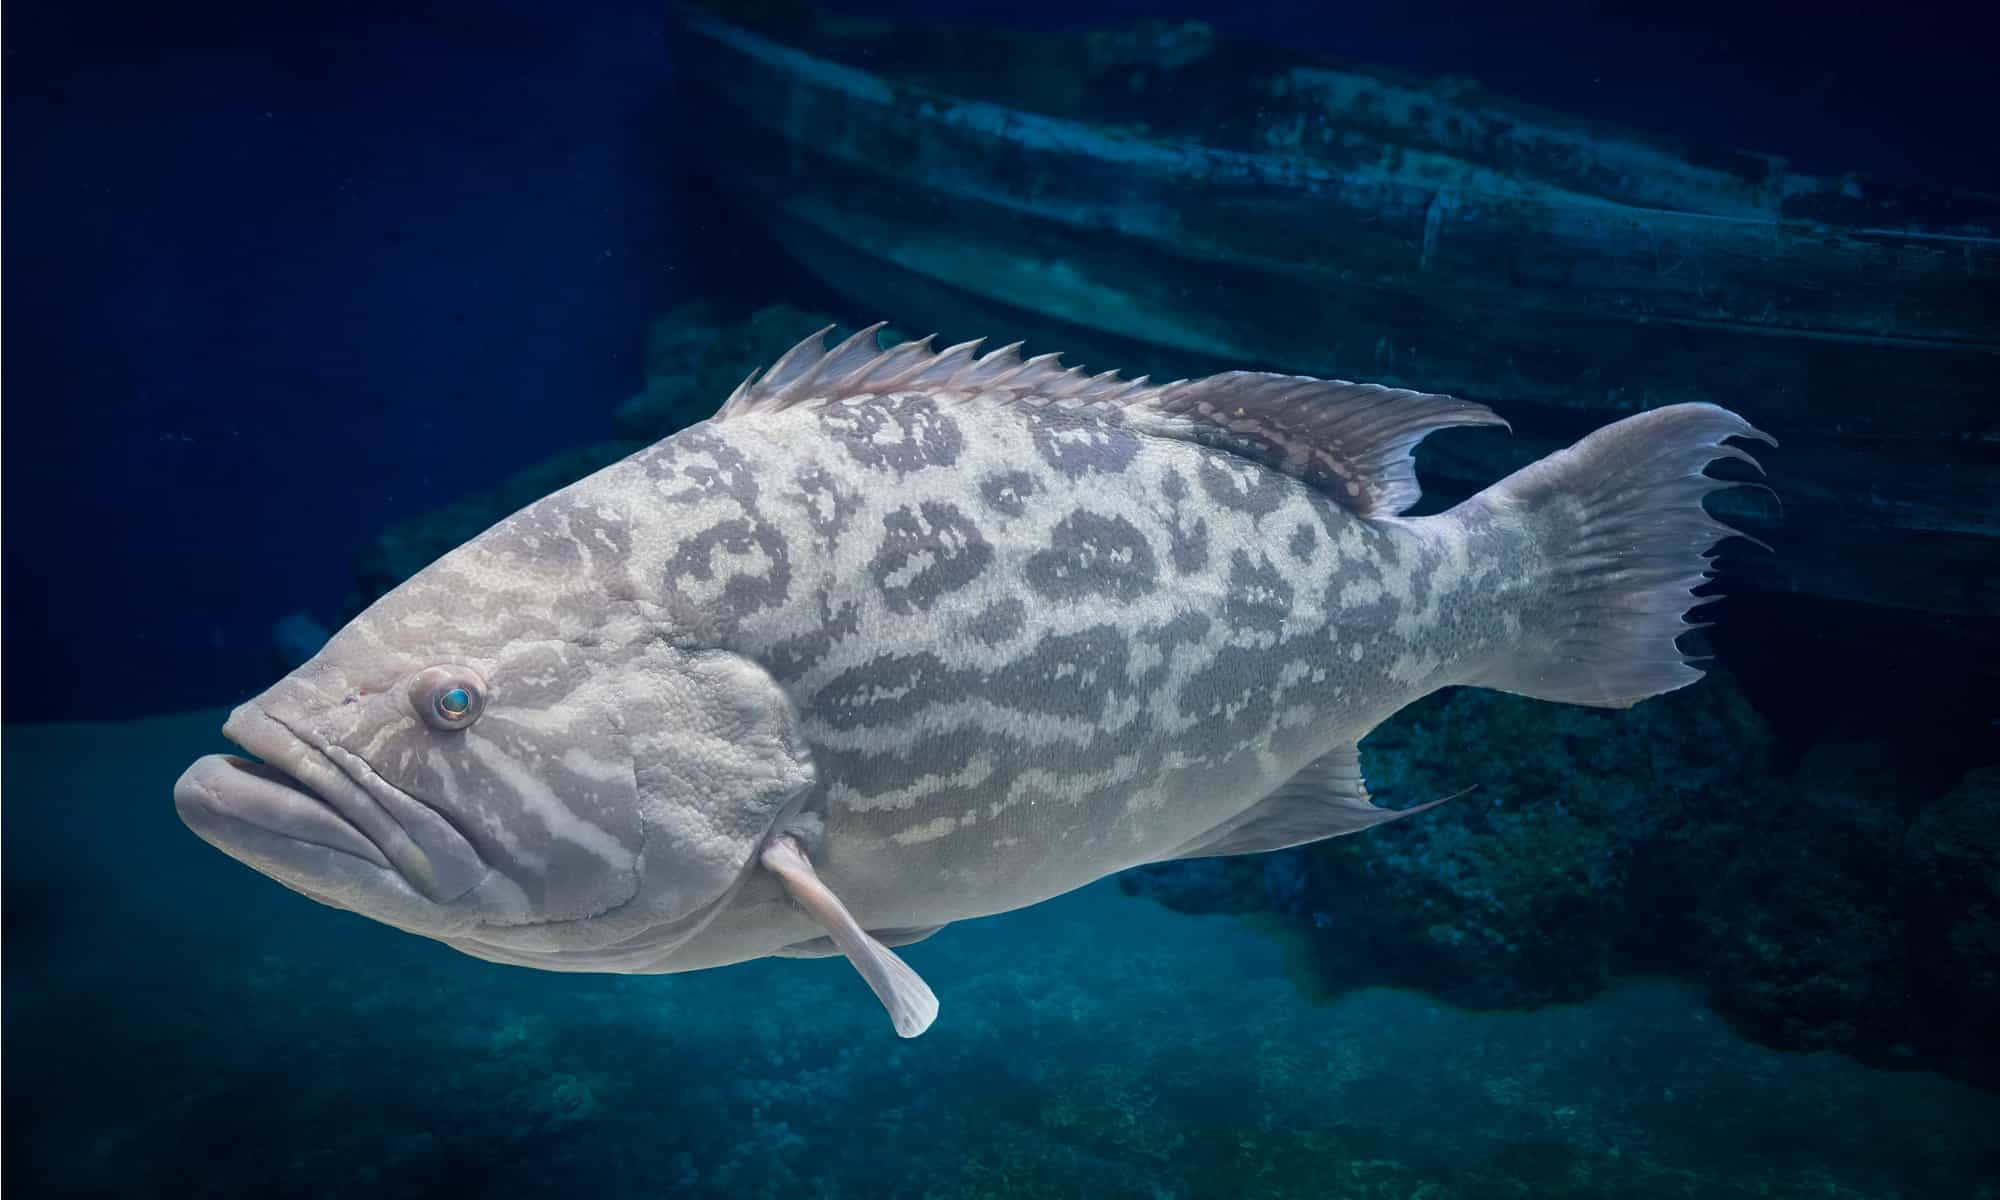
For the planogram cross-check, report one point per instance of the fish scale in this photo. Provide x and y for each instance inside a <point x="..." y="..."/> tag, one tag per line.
<point x="902" y="637"/>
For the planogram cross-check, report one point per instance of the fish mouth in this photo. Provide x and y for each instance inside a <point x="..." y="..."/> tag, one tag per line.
<point x="220" y="789"/>
<point x="338" y="833"/>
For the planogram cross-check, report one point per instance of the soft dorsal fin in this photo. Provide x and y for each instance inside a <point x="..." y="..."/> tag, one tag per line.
<point x="1351" y="440"/>
<point x="1325" y="799"/>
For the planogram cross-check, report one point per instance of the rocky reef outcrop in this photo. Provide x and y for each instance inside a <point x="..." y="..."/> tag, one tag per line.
<point x="1829" y="904"/>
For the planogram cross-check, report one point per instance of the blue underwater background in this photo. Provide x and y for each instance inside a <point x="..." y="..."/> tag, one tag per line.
<point x="299" y="297"/>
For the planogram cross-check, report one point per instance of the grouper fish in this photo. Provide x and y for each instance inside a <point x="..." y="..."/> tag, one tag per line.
<point x="903" y="636"/>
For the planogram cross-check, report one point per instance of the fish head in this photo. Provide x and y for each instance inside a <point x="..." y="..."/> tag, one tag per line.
<point x="527" y="761"/>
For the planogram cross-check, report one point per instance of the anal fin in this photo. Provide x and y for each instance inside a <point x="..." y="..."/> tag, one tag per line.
<point x="1325" y="799"/>
<point x="912" y="1005"/>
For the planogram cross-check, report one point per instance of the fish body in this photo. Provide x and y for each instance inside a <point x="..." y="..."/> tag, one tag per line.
<point x="904" y="637"/>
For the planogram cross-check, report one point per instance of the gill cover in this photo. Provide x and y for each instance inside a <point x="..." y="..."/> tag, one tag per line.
<point x="719" y="760"/>
<point x="716" y="759"/>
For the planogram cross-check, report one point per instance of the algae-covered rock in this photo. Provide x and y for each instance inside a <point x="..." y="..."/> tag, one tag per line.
<point x="1541" y="884"/>
<point x="1831" y="906"/>
<point x="1802" y="928"/>
<point x="1534" y="887"/>
<point x="1855" y="926"/>
<point x="1954" y="852"/>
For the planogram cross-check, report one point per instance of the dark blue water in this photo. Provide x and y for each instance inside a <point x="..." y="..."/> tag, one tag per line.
<point x="280" y="279"/>
<point x="277" y="280"/>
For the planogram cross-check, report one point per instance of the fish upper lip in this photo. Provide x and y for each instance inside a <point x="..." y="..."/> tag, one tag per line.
<point x="307" y="767"/>
<point x="312" y="766"/>
<point x="270" y="799"/>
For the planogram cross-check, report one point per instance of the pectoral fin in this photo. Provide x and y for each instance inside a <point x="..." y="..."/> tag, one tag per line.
<point x="912" y="1007"/>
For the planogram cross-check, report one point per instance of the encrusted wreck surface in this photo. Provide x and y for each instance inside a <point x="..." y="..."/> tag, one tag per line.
<point x="1164" y="199"/>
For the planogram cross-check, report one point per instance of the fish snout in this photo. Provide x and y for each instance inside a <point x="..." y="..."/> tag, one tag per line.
<point x="319" y="820"/>
<point x="221" y="791"/>
<point x="254" y="814"/>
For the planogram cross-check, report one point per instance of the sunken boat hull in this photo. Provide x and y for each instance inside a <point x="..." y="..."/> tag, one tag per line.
<point x="1159" y="200"/>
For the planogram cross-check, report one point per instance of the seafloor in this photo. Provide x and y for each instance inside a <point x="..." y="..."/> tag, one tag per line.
<point x="178" y="1025"/>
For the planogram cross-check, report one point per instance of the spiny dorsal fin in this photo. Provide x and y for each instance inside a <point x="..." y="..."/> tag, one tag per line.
<point x="1351" y="440"/>
<point x="1325" y="799"/>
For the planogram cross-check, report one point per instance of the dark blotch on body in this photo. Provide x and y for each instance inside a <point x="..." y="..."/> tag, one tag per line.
<point x="704" y="466"/>
<point x="829" y="505"/>
<point x="901" y="433"/>
<point x="736" y="538"/>
<point x="1008" y="491"/>
<point x="1076" y="445"/>
<point x="1302" y="541"/>
<point x="1185" y="629"/>
<point x="1065" y="675"/>
<point x="1244" y="486"/>
<point x="1188" y="532"/>
<point x="1231" y="699"/>
<point x="925" y="554"/>
<point x="933" y="762"/>
<point x="1190" y="544"/>
<point x="999" y="621"/>
<point x="1090" y="554"/>
<point x="1258" y="598"/>
<point x="790" y="659"/>
<point x="570" y="533"/>
<point x="889" y="688"/>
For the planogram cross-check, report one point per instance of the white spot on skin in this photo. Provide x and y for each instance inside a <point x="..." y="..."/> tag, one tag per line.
<point x="1414" y="669"/>
<point x="1351" y="545"/>
<point x="489" y="820"/>
<point x="595" y="769"/>
<point x="975" y="772"/>
<point x="1359" y="592"/>
<point x="929" y="831"/>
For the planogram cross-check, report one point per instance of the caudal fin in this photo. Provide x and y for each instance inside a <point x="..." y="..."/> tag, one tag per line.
<point x="1617" y="527"/>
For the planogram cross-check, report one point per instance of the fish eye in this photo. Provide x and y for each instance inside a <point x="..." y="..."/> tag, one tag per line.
<point x="448" y="698"/>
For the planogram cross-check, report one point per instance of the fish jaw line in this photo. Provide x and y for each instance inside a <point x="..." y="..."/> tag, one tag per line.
<point x="309" y="769"/>
<point x="222" y="791"/>
<point x="262" y="819"/>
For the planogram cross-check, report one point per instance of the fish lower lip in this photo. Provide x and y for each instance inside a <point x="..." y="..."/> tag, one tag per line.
<point x="261" y="795"/>
<point x="431" y="855"/>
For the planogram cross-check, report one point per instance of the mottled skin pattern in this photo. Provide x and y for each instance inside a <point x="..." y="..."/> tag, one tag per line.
<point x="960" y="635"/>
<point x="1115" y="644"/>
